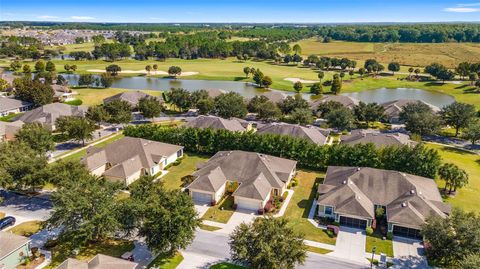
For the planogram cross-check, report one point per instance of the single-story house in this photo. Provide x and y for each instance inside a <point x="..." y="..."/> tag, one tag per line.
<point x="126" y="159"/>
<point x="13" y="250"/>
<point x="275" y="96"/>
<point x="346" y="101"/>
<point x="9" y="129"/>
<point x="377" y="138"/>
<point x="252" y="178"/>
<point x="212" y="93"/>
<point x="216" y="123"/>
<point x="100" y="261"/>
<point x="48" y="114"/>
<point x="132" y="97"/>
<point x="62" y="93"/>
<point x="10" y="105"/>
<point x="350" y="196"/>
<point x="311" y="134"/>
<point x="394" y="108"/>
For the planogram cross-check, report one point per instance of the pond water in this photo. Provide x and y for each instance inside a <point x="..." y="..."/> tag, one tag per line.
<point x="385" y="95"/>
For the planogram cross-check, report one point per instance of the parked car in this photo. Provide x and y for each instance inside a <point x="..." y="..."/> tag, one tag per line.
<point x="6" y="222"/>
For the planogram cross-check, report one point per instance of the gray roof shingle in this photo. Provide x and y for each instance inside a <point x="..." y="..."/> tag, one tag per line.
<point x="216" y="123"/>
<point x="10" y="242"/>
<point x="377" y="138"/>
<point x="132" y="97"/>
<point x="311" y="134"/>
<point x="346" y="101"/>
<point x="8" y="103"/>
<point x="48" y="114"/>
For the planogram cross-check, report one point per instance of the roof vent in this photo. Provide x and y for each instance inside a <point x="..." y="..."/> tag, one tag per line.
<point x="404" y="204"/>
<point x="344" y="182"/>
<point x="403" y="174"/>
<point x="358" y="168"/>
<point x="412" y="191"/>
<point x="419" y="193"/>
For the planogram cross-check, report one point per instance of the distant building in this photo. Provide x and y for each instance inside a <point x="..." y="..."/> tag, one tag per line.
<point x="48" y="114"/>
<point x="377" y="138"/>
<point x="217" y="123"/>
<point x="275" y="96"/>
<point x="215" y="92"/>
<point x="394" y="108"/>
<point x="311" y="134"/>
<point x="10" y="105"/>
<point x="346" y="101"/>
<point x="100" y="261"/>
<point x="14" y="249"/>
<point x="62" y="93"/>
<point x="9" y="129"/>
<point x="132" y="97"/>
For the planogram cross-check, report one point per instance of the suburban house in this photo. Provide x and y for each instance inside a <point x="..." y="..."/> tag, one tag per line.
<point x="377" y="138"/>
<point x="216" y="123"/>
<point x="9" y="79"/>
<point x="212" y="93"/>
<point x="251" y="178"/>
<point x="62" y="93"/>
<point x="346" y="101"/>
<point x="350" y="196"/>
<point x="13" y="250"/>
<point x="100" y="261"/>
<point x="48" y="114"/>
<point x="132" y="97"/>
<point x="10" y="105"/>
<point x="311" y="134"/>
<point x="126" y="159"/>
<point x="394" y="108"/>
<point x="275" y="96"/>
<point x="9" y="129"/>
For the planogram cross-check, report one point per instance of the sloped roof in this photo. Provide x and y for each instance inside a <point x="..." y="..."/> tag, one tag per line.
<point x="8" y="103"/>
<point x="377" y="138"/>
<point x="215" y="92"/>
<point x="394" y="108"/>
<point x="132" y="97"/>
<point x="344" y="100"/>
<point x="275" y="96"/>
<point x="48" y="114"/>
<point x="100" y="261"/>
<point x="216" y="123"/>
<point x="10" y="242"/>
<point x="10" y="128"/>
<point x="311" y="134"/>
<point x="257" y="173"/>
<point x="128" y="155"/>
<point x="372" y="186"/>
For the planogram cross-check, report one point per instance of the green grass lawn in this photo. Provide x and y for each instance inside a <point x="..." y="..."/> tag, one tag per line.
<point x="209" y="228"/>
<point x="78" y="155"/>
<point x="10" y="117"/>
<point x="27" y="228"/>
<point x="468" y="197"/>
<point x="383" y="246"/>
<point x="300" y="204"/>
<point x="226" y="265"/>
<point x="318" y="250"/>
<point x="172" y="180"/>
<point x="164" y="262"/>
<point x="220" y="212"/>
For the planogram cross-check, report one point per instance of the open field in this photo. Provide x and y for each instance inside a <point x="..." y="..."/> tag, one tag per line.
<point x="411" y="54"/>
<point x="468" y="197"/>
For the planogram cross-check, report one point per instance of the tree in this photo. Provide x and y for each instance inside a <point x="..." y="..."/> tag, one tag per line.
<point x="394" y="67"/>
<point x="36" y="137"/>
<point x="229" y="105"/>
<point x="155" y="68"/>
<point x="266" y="81"/>
<point x="76" y="128"/>
<point x="150" y="107"/>
<point x="453" y="176"/>
<point x="471" y="261"/>
<point x="439" y="71"/>
<point x="269" y="111"/>
<point x="291" y="103"/>
<point x="341" y="118"/>
<point x="246" y="70"/>
<point x="463" y="69"/>
<point x="361" y="72"/>
<point x="259" y="244"/>
<point x="120" y="111"/>
<point x="98" y="39"/>
<point x="370" y="112"/>
<point x="97" y="114"/>
<point x="3" y="85"/>
<point x="174" y="71"/>
<point x="106" y="80"/>
<point x="336" y="86"/>
<point x="40" y="66"/>
<point x="73" y="67"/>
<point x="180" y="98"/>
<point x="205" y="106"/>
<point x="342" y="75"/>
<point x="420" y="119"/>
<point x="148" y="68"/>
<point x="33" y="91"/>
<point x="477" y="84"/>
<point x="321" y="75"/>
<point x="297" y="49"/>
<point x="84" y="209"/>
<point x="61" y="80"/>
<point x="472" y="132"/>
<point x="316" y="89"/>
<point x="298" y="86"/>
<point x="255" y="104"/>
<point x="258" y="77"/>
<point x="50" y="67"/>
<point x="86" y="80"/>
<point x="15" y="65"/>
<point x="301" y="116"/>
<point x="410" y="71"/>
<point x="27" y="69"/>
<point x="113" y="69"/>
<point x="458" y="115"/>
<point x="473" y="77"/>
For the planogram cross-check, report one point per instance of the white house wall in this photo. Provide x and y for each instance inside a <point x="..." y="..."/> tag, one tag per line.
<point x="99" y="171"/>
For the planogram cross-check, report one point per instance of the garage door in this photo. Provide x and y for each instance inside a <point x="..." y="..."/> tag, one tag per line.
<point x="406" y="232"/>
<point x="352" y="222"/>
<point x="202" y="198"/>
<point x="248" y="204"/>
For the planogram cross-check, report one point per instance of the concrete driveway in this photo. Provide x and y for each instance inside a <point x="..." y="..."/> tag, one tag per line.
<point x="238" y="217"/>
<point x="201" y="209"/>
<point x="350" y="245"/>
<point x="408" y="253"/>
<point x="25" y="208"/>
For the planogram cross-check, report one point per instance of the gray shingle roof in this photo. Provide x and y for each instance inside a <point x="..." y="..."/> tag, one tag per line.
<point x="10" y="242"/>
<point x="100" y="261"/>
<point x="48" y="114"/>
<point x="409" y="199"/>
<point x="132" y="97"/>
<point x="275" y="96"/>
<point x="257" y="173"/>
<point x="377" y="138"/>
<point x="394" y="108"/>
<point x="215" y="92"/>
<point x="10" y="128"/>
<point x="344" y="100"/>
<point x="310" y="134"/>
<point x="216" y="123"/>
<point x="7" y="103"/>
<point x="128" y="155"/>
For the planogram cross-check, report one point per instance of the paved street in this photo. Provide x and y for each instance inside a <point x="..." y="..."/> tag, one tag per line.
<point x="24" y="208"/>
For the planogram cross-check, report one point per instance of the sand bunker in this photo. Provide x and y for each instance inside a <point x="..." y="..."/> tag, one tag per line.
<point x="158" y="72"/>
<point x="301" y="80"/>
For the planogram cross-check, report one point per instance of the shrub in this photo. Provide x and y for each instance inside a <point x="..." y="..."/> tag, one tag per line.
<point x="213" y="203"/>
<point x="269" y="207"/>
<point x="369" y="230"/>
<point x="334" y="229"/>
<point x="261" y="211"/>
<point x="330" y="233"/>
<point x="76" y="102"/>
<point x="389" y="235"/>
<point x="379" y="212"/>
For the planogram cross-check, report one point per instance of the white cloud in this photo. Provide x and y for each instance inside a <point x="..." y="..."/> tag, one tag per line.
<point x="47" y="17"/>
<point x="83" y="18"/>
<point x="462" y="9"/>
<point x="469" y="5"/>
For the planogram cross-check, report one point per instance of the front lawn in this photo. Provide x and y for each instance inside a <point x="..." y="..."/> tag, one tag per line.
<point x="10" y="117"/>
<point x="300" y="204"/>
<point x="27" y="228"/>
<point x="164" y="262"/>
<point x="220" y="212"/>
<point x="226" y="265"/>
<point x="468" y="197"/>
<point x="172" y="180"/>
<point x="78" y="155"/>
<point x="208" y="227"/>
<point x="383" y="246"/>
<point x="318" y="250"/>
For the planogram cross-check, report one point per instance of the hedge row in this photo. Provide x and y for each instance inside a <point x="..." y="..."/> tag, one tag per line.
<point x="417" y="160"/>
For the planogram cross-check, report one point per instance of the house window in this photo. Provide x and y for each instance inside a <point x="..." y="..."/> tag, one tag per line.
<point x="179" y="153"/>
<point x="328" y="210"/>
<point x="275" y="192"/>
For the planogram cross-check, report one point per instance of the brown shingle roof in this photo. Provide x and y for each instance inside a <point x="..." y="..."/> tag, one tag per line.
<point x="100" y="261"/>
<point x="344" y="100"/>
<point x="377" y="138"/>
<point x="216" y="123"/>
<point x="275" y="96"/>
<point x="310" y="134"/>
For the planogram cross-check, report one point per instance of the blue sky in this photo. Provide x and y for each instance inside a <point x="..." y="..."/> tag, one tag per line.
<point x="241" y="11"/>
